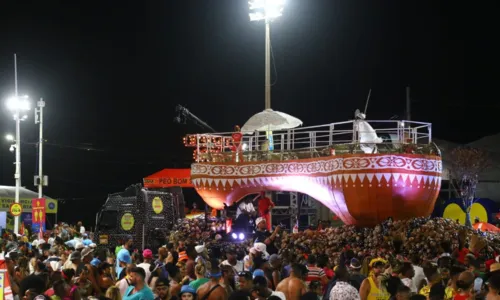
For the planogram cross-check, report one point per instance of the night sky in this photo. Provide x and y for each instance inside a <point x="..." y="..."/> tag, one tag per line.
<point x="112" y="72"/>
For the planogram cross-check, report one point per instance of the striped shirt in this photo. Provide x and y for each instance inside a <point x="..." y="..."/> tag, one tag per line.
<point x="315" y="273"/>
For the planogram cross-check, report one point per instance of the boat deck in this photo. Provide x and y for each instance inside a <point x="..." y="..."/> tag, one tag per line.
<point x="314" y="141"/>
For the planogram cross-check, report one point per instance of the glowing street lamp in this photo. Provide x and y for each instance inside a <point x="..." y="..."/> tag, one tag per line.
<point x="18" y="105"/>
<point x="9" y="137"/>
<point x="266" y="10"/>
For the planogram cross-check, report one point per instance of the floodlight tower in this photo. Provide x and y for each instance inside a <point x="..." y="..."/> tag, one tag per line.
<point x="18" y="105"/>
<point x="266" y="10"/>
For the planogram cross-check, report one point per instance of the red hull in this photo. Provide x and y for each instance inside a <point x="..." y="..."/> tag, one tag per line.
<point x="361" y="189"/>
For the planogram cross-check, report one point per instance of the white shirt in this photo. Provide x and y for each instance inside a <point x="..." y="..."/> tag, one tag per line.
<point x="344" y="291"/>
<point x="248" y="207"/>
<point x="145" y="267"/>
<point x="122" y="286"/>
<point x="237" y="268"/>
<point x="419" y="276"/>
<point x="82" y="229"/>
<point x="409" y="283"/>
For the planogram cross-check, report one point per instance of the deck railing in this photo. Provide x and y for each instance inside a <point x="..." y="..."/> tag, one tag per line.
<point x="314" y="141"/>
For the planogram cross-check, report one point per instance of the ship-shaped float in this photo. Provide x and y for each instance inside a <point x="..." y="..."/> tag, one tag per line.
<point x="364" y="171"/>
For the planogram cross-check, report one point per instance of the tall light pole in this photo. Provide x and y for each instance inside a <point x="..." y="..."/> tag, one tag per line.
<point x="40" y="180"/>
<point x="266" y="10"/>
<point x="17" y="105"/>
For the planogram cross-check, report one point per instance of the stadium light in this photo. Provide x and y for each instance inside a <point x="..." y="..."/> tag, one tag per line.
<point x="266" y="10"/>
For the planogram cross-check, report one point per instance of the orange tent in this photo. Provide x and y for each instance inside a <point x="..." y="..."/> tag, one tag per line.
<point x="167" y="178"/>
<point x="486" y="227"/>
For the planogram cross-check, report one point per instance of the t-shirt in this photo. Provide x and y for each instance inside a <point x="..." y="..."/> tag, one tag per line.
<point x="264" y="204"/>
<point x="247" y="207"/>
<point x="144" y="294"/>
<point x="145" y="267"/>
<point x="261" y="236"/>
<point x="123" y="285"/>
<point x="462" y="253"/>
<point x="315" y="273"/>
<point x="239" y="267"/>
<point x="195" y="284"/>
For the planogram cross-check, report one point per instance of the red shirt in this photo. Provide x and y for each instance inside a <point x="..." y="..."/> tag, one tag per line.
<point x="461" y="255"/>
<point x="264" y="204"/>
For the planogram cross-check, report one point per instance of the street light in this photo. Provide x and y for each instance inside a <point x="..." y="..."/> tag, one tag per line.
<point x="266" y="10"/>
<point x="9" y="137"/>
<point x="17" y="105"/>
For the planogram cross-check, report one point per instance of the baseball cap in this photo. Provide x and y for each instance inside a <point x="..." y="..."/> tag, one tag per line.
<point x="147" y="253"/>
<point x="86" y="251"/>
<point x="355" y="264"/>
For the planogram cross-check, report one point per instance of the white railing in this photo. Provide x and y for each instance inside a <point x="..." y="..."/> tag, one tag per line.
<point x="339" y="136"/>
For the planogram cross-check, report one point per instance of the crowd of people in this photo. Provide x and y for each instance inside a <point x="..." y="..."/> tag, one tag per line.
<point x="414" y="259"/>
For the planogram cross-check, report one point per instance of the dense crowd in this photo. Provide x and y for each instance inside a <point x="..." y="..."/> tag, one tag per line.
<point x="415" y="259"/>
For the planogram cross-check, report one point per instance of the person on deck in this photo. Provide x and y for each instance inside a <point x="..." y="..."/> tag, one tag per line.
<point x="237" y="136"/>
<point x="245" y="211"/>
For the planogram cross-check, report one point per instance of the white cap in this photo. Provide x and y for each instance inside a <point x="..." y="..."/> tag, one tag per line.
<point x="258" y="220"/>
<point x="200" y="248"/>
<point x="79" y="245"/>
<point x="260" y="247"/>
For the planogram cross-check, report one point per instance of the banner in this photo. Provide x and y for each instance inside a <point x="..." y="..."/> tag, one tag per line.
<point x="38" y="212"/>
<point x="50" y="204"/>
<point x="169" y="178"/>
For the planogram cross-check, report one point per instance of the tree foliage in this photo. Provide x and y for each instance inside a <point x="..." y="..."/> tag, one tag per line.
<point x="466" y="165"/>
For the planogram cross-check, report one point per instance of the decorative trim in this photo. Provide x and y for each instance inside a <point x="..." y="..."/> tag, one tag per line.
<point x="407" y="164"/>
<point x="335" y="181"/>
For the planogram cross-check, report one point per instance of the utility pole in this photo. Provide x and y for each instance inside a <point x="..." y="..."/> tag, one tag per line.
<point x="268" y="66"/>
<point x="40" y="180"/>
<point x="408" y="104"/>
<point x="17" y="174"/>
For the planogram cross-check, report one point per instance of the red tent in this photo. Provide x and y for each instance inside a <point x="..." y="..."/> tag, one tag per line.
<point x="6" y="290"/>
<point x="169" y="178"/>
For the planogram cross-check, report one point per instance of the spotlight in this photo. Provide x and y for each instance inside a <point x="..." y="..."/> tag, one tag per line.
<point x="234" y="236"/>
<point x="241" y="236"/>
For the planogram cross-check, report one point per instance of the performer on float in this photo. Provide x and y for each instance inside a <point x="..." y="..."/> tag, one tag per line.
<point x="265" y="205"/>
<point x="245" y="211"/>
<point x="236" y="148"/>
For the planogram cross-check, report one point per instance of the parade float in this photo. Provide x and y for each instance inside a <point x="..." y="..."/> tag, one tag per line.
<point x="364" y="171"/>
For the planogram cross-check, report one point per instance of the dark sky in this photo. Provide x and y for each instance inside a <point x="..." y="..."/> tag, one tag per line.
<point x="111" y="73"/>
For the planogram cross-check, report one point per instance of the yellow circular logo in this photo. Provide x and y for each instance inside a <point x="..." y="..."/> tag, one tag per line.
<point x="127" y="221"/>
<point x="157" y="205"/>
<point x="16" y="209"/>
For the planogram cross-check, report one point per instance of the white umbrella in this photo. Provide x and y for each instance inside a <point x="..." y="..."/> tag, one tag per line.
<point x="270" y="120"/>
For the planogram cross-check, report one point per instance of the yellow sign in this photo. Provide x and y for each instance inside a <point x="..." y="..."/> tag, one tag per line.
<point x="16" y="209"/>
<point x="127" y="221"/>
<point x="157" y="205"/>
<point x="103" y="239"/>
<point x="50" y="205"/>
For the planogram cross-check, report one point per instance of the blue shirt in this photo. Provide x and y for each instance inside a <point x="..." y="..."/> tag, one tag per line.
<point x="144" y="294"/>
